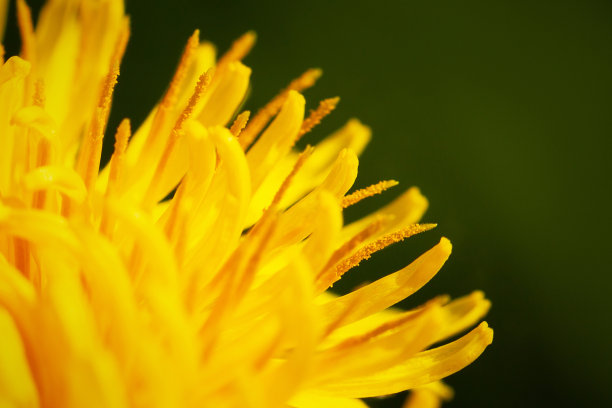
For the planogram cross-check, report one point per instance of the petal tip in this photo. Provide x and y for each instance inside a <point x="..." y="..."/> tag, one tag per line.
<point x="445" y="245"/>
<point x="486" y="333"/>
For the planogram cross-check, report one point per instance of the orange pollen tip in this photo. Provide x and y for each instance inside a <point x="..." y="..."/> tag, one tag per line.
<point x="199" y="90"/>
<point x="113" y="73"/>
<point x="366" y="252"/>
<point x="240" y="123"/>
<point x="109" y="85"/>
<point x="239" y="49"/>
<point x="122" y="136"/>
<point x="350" y="245"/>
<point x="263" y="116"/>
<point x="326" y="106"/>
<point x="306" y="80"/>
<point x="181" y="71"/>
<point x="369" y="191"/>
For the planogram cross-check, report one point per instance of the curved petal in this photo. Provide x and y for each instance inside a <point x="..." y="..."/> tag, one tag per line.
<point x="388" y="290"/>
<point x="423" y="368"/>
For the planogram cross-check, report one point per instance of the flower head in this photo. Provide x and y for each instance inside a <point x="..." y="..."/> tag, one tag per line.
<point x="193" y="269"/>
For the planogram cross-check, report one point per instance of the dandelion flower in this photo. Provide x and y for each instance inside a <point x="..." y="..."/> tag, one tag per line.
<point x="114" y="292"/>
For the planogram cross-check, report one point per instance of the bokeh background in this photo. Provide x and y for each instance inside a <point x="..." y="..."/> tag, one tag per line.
<point x="499" y="110"/>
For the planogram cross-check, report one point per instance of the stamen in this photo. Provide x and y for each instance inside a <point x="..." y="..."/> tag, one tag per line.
<point x="109" y="85"/>
<point x="369" y="191"/>
<point x="237" y="276"/>
<point x="326" y="106"/>
<point x="111" y="79"/>
<point x="200" y="88"/>
<point x="170" y="98"/>
<point x="263" y="116"/>
<point x="379" y="244"/>
<point x="240" y="123"/>
<point x="283" y="188"/>
<point x="296" y="167"/>
<point x="350" y="245"/>
<point x="116" y="164"/>
<point x="91" y="150"/>
<point x="239" y="49"/>
<point x="330" y="276"/>
<point x="122" y="136"/>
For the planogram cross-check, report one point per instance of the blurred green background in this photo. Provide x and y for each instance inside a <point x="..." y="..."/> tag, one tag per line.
<point x="499" y="110"/>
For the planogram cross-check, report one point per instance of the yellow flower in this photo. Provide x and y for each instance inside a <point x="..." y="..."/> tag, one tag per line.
<point x="113" y="295"/>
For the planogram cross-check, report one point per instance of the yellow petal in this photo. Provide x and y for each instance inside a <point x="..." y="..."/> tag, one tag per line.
<point x="421" y="369"/>
<point x="218" y="218"/>
<point x="298" y="320"/>
<point x="69" y="31"/>
<point x="17" y="387"/>
<point x="455" y="317"/>
<point x="382" y="347"/>
<point x="405" y="210"/>
<point x="326" y="229"/>
<point x="296" y="223"/>
<point x="34" y="117"/>
<point x="353" y="136"/>
<point x="76" y="364"/>
<point x="227" y="96"/>
<point x="388" y="290"/>
<point x="203" y="59"/>
<point x="61" y="179"/>
<point x="464" y="312"/>
<point x="276" y="140"/>
<point x="156" y="283"/>
<point x="12" y="86"/>
<point x="201" y="168"/>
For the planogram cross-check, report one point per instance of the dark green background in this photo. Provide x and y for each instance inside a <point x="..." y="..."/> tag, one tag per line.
<point x="499" y="110"/>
